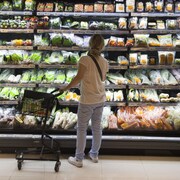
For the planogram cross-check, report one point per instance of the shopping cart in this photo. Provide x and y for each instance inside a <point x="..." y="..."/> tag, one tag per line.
<point x="40" y="104"/>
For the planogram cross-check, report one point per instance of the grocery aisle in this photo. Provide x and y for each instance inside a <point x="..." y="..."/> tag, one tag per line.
<point x="108" y="168"/>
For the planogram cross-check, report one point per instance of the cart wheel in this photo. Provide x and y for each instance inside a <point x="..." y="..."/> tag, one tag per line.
<point x="56" y="168"/>
<point x="19" y="165"/>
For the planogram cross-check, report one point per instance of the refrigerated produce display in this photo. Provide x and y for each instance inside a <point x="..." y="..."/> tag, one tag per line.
<point x="41" y="43"/>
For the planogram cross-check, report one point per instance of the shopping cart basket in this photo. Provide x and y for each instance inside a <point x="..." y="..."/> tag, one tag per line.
<point x="40" y="104"/>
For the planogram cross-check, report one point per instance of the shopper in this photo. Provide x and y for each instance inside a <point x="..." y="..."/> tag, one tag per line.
<point x="92" y="89"/>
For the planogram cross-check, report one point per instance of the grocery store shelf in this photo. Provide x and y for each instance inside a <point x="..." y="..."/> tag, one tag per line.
<point x="68" y="103"/>
<point x="50" y="85"/>
<point x="155" y="31"/>
<point x="27" y="85"/>
<point x="18" y="66"/>
<point x="8" y="102"/>
<point x="108" y="141"/>
<point x="82" y="31"/>
<point x="73" y="103"/>
<point x="58" y="66"/>
<point x="114" y="103"/>
<point x="155" y="14"/>
<point x="155" y="49"/>
<point x="118" y="66"/>
<point x="17" y="31"/>
<point x="16" y="47"/>
<point x="73" y="66"/>
<point x="76" y="48"/>
<point x="16" y="13"/>
<point x="174" y="66"/>
<point x="155" y="86"/>
<point x="83" y="14"/>
<point x="113" y="86"/>
<point x="151" y="104"/>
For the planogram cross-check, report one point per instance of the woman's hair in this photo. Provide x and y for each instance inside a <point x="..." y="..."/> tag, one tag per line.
<point x="96" y="44"/>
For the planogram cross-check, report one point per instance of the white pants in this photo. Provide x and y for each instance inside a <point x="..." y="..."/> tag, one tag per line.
<point x="85" y="113"/>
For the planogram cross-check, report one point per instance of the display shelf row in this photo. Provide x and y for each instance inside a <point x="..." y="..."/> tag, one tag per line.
<point x="76" y="48"/>
<point x="74" y="66"/>
<point x="110" y="32"/>
<point x="111" y="86"/>
<point x="115" y="104"/>
<point x="83" y="14"/>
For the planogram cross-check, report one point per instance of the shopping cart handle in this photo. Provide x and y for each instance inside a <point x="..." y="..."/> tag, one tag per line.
<point x="57" y="89"/>
<point x="57" y="94"/>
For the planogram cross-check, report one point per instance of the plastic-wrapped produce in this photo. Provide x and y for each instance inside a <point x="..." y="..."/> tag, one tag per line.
<point x="5" y="75"/>
<point x="109" y="95"/>
<point x="29" y="5"/>
<point x="118" y="95"/>
<point x="168" y="78"/>
<point x="17" y="5"/>
<point x="155" y="77"/>
<point x="176" y="73"/>
<point x="60" y="77"/>
<point x="55" y="23"/>
<point x="40" y="76"/>
<point x="26" y="77"/>
<point x="55" y="57"/>
<point x="56" y="39"/>
<point x="49" y="76"/>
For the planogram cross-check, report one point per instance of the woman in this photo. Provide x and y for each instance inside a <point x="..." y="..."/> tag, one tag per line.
<point x="92" y="100"/>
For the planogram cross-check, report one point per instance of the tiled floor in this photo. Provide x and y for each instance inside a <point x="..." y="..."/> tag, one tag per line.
<point x="108" y="168"/>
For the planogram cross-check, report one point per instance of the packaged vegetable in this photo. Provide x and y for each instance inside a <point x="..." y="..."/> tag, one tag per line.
<point x="149" y="6"/>
<point x="143" y="23"/>
<point x="40" y="7"/>
<point x="29" y="5"/>
<point x="78" y="8"/>
<point x="17" y="5"/>
<point x="112" y="41"/>
<point x="122" y="23"/>
<point x="153" y="42"/>
<point x="88" y="8"/>
<point x="55" y="22"/>
<point x="133" y="23"/>
<point x="171" y="23"/>
<point x="69" y="7"/>
<point x="160" y="24"/>
<point x="59" y="7"/>
<point x="133" y="58"/>
<point x="177" y="6"/>
<point x="162" y="57"/>
<point x="129" y="42"/>
<point x="141" y="40"/>
<point x="169" y="6"/>
<point x="118" y="95"/>
<point x="120" y="42"/>
<point x="165" y="40"/>
<point x="139" y="6"/>
<point x="109" y="95"/>
<point x="170" y="57"/>
<point x="158" y="4"/>
<point x="56" y="39"/>
<point x="120" y="7"/>
<point x="98" y="7"/>
<point x="122" y="60"/>
<point x="108" y="8"/>
<point x="143" y="59"/>
<point x="48" y="7"/>
<point x="130" y="5"/>
<point x="60" y="77"/>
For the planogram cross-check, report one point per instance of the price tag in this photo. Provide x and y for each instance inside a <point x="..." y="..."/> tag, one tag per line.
<point x="144" y="14"/>
<point x="75" y="48"/>
<point x="170" y="14"/>
<point x="55" y="48"/>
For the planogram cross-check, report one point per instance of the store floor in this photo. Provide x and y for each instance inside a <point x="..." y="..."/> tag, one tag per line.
<point x="117" y="167"/>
